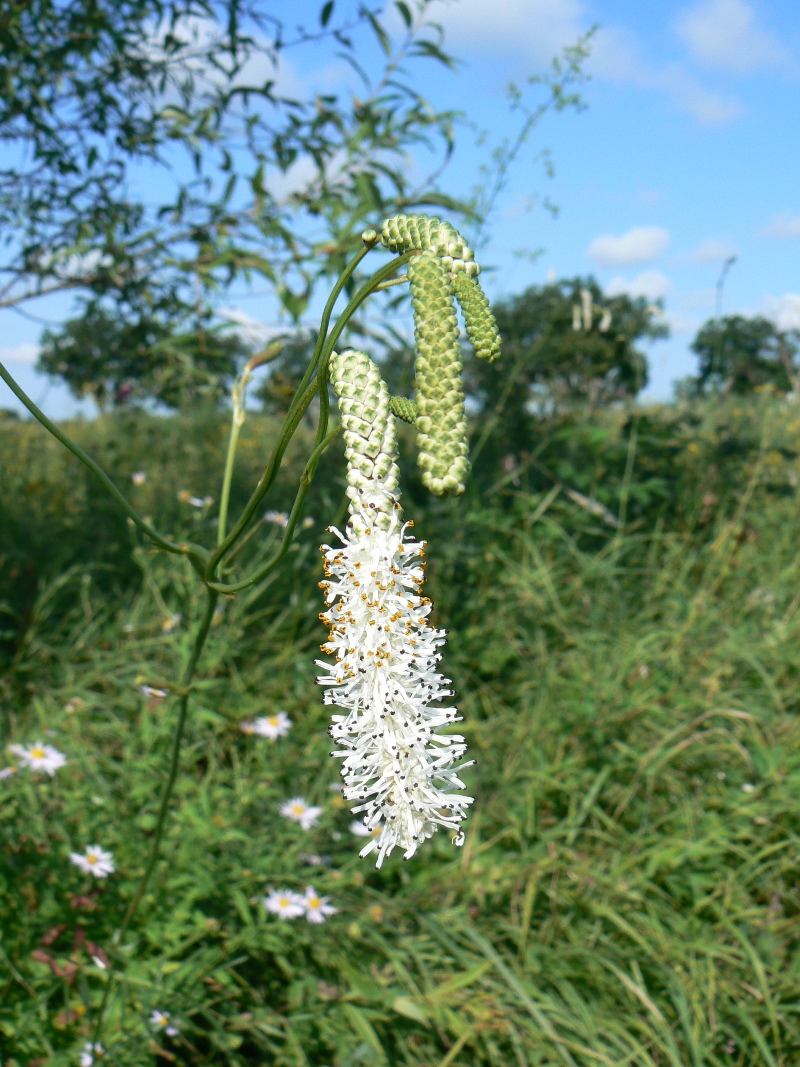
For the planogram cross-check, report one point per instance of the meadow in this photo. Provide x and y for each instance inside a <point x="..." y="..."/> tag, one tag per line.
<point x="622" y="600"/>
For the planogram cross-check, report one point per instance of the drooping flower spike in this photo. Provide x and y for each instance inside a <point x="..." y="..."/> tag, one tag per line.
<point x="441" y="419"/>
<point x="407" y="233"/>
<point x="398" y="767"/>
<point x="443" y="271"/>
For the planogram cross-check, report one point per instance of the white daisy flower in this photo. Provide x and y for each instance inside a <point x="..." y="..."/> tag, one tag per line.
<point x="172" y="623"/>
<point x="273" y="726"/>
<point x="358" y="828"/>
<point x="300" y="811"/>
<point x="7" y="772"/>
<point x="40" y="757"/>
<point x="151" y="691"/>
<point x="317" y="908"/>
<point x="95" y="861"/>
<point x="86" y="1058"/>
<point x="139" y="477"/>
<point x="248" y="727"/>
<point x="160" y="1020"/>
<point x="279" y="518"/>
<point x="284" y="903"/>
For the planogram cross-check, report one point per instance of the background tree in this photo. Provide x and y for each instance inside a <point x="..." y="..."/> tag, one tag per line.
<point x="739" y="354"/>
<point x="155" y="157"/>
<point x="116" y="361"/>
<point x="564" y="343"/>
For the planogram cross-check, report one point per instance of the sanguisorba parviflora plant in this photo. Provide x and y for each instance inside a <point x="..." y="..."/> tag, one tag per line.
<point x="399" y="764"/>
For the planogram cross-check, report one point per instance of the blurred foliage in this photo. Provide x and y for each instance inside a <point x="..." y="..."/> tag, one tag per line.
<point x="672" y="467"/>
<point x="278" y="386"/>
<point x="115" y="361"/>
<point x="564" y="343"/>
<point x="628" y="890"/>
<point x="741" y="355"/>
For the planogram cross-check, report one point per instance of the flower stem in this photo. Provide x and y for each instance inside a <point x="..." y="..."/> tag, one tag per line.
<point x="166" y="795"/>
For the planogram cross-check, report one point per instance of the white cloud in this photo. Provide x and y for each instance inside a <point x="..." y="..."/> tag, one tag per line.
<point x="536" y="29"/>
<point x="785" y="225"/>
<point x="784" y="310"/>
<point x="686" y="92"/>
<point x="711" y="250"/>
<point x="24" y="353"/>
<point x="533" y="31"/>
<point x="651" y="284"/>
<point x="723" y="34"/>
<point x="248" y="329"/>
<point x="642" y="244"/>
<point x="681" y="323"/>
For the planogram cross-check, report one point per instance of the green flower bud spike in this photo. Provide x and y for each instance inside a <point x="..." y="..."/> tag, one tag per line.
<point x="405" y="233"/>
<point x="441" y="419"/>
<point x="409" y="233"/>
<point x="478" y="317"/>
<point x="369" y="436"/>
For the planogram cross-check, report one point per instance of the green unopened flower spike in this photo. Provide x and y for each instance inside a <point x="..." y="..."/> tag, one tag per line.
<point x="478" y="317"/>
<point x="441" y="419"/>
<point x="408" y="233"/>
<point x="369" y="436"/>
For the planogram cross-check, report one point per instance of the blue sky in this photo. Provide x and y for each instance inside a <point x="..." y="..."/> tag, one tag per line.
<point x="686" y="153"/>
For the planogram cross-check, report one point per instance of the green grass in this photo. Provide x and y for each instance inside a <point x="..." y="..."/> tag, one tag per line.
<point x="623" y="897"/>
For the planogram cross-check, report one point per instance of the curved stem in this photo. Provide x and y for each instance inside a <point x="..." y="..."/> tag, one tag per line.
<point x="305" y="484"/>
<point x="290" y="424"/>
<point x="302" y="400"/>
<point x="195" y="553"/>
<point x="166" y="794"/>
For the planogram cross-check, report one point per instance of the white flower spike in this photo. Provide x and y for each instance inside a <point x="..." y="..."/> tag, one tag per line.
<point x="40" y="757"/>
<point x="397" y="766"/>
<point x="300" y="811"/>
<point x="95" y="861"/>
<point x="358" y="829"/>
<point x="285" y="904"/>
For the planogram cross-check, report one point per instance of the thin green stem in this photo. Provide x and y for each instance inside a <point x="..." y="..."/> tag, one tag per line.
<point x="195" y="553"/>
<point x="305" y="484"/>
<point x="166" y="795"/>
<point x="267" y="477"/>
<point x="237" y="421"/>
<point x="303" y="398"/>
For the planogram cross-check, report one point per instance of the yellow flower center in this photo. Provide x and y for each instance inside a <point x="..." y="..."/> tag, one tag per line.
<point x="284" y="902"/>
<point x="273" y="720"/>
<point x="91" y="858"/>
<point x="313" y="902"/>
<point x="298" y="809"/>
<point x="37" y="752"/>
